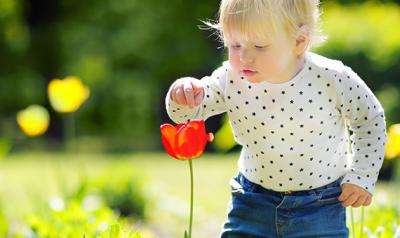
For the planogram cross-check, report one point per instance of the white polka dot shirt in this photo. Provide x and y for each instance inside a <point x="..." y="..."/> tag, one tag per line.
<point x="295" y="135"/>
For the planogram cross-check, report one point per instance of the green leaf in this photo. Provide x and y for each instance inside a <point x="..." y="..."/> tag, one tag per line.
<point x="137" y="235"/>
<point x="115" y="231"/>
<point x="186" y="235"/>
<point x="224" y="139"/>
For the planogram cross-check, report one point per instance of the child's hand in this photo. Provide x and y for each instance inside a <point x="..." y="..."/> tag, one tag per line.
<point x="188" y="92"/>
<point x="355" y="196"/>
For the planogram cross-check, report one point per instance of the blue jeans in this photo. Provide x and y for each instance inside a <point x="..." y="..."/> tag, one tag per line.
<point x="256" y="212"/>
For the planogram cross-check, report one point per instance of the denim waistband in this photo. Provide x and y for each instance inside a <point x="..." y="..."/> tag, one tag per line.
<point x="259" y="189"/>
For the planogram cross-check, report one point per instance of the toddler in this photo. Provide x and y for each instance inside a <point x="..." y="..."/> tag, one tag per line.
<point x="290" y="110"/>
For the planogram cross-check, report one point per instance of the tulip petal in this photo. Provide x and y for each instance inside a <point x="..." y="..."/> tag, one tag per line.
<point x="184" y="143"/>
<point x="198" y="124"/>
<point x="168" y="134"/>
<point x="393" y="142"/>
<point x="187" y="140"/>
<point x="200" y="128"/>
<point x="34" y="120"/>
<point x="210" y="137"/>
<point x="190" y="142"/>
<point x="68" y="94"/>
<point x="179" y="126"/>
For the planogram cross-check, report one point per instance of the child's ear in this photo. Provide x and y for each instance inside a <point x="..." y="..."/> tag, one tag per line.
<point x="302" y="40"/>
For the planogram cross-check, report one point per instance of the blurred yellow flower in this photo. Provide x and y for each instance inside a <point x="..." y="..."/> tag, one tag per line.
<point x="67" y="95"/>
<point x="393" y="142"/>
<point x="34" y="120"/>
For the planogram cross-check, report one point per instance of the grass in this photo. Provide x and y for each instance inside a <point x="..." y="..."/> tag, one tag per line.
<point x="27" y="180"/>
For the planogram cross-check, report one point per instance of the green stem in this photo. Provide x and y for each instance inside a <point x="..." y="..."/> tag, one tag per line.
<point x="362" y="221"/>
<point x="191" y="198"/>
<point x="352" y="222"/>
<point x="69" y="132"/>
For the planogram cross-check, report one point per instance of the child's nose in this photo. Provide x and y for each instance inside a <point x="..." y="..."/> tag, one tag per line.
<point x="246" y="57"/>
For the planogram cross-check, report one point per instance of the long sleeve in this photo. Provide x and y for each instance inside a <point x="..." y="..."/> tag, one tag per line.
<point x="212" y="104"/>
<point x="366" y="119"/>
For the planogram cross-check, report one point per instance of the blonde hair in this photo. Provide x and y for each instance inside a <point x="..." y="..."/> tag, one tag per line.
<point x="263" y="18"/>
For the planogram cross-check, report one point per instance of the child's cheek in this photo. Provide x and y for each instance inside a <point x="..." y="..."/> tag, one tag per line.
<point x="234" y="62"/>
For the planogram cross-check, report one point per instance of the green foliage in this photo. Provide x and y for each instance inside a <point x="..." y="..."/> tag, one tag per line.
<point x="369" y="28"/>
<point x="5" y="147"/>
<point x="123" y="192"/>
<point x="390" y="98"/>
<point x="127" y="52"/>
<point x="76" y="219"/>
<point x="72" y="219"/>
<point x="382" y="221"/>
<point x="115" y="232"/>
<point x="3" y="224"/>
<point x="224" y="140"/>
<point x="83" y="207"/>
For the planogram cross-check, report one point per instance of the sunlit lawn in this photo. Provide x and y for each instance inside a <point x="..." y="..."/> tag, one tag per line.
<point x="28" y="179"/>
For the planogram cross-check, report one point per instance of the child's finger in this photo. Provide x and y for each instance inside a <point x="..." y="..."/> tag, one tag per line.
<point x="173" y="95"/>
<point x="189" y="96"/>
<point x="180" y="96"/>
<point x="198" y="98"/>
<point x="198" y="90"/>
<point x="197" y="86"/>
<point x="350" y="200"/>
<point x="360" y="201"/>
<point x="368" y="201"/>
<point x="346" y="192"/>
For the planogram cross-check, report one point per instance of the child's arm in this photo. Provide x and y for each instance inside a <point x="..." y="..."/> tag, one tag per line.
<point x="366" y="119"/>
<point x="181" y="108"/>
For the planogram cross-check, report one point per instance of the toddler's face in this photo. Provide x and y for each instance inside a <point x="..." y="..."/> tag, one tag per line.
<point x="270" y="59"/>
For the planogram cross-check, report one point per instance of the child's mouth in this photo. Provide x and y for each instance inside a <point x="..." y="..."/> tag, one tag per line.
<point x="248" y="72"/>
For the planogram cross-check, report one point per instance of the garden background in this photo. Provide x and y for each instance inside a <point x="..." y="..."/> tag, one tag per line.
<point x="103" y="163"/>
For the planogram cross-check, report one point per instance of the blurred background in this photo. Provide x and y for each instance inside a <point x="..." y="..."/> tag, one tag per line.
<point x="95" y="152"/>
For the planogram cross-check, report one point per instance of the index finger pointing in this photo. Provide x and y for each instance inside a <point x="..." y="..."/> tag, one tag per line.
<point x="188" y="91"/>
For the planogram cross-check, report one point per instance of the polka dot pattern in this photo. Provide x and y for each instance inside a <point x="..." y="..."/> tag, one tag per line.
<point x="294" y="134"/>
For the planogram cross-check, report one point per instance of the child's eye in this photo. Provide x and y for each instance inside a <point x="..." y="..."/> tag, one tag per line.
<point x="237" y="46"/>
<point x="260" y="46"/>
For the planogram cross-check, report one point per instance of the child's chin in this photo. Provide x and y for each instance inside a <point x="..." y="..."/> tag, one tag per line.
<point x="252" y="80"/>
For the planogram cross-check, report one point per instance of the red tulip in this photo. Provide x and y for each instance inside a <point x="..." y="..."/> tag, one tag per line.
<point x="185" y="141"/>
